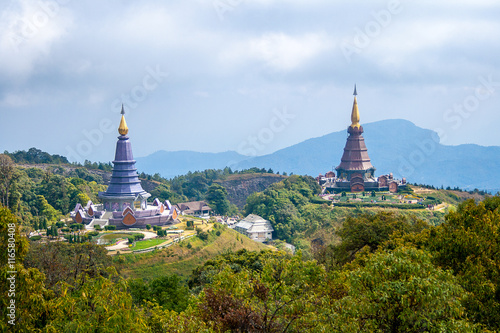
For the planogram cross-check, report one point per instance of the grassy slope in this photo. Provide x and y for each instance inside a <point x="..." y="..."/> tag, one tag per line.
<point x="181" y="260"/>
<point x="449" y="196"/>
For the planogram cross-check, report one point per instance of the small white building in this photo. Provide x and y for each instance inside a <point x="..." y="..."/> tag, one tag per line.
<point x="255" y="228"/>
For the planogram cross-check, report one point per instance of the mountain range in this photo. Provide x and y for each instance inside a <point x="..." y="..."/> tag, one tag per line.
<point x="395" y="145"/>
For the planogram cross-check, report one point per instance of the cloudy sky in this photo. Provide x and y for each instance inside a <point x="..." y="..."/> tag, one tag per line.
<point x="250" y="76"/>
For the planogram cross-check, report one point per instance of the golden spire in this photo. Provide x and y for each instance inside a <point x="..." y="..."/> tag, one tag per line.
<point x="355" y="111"/>
<point x="123" y="129"/>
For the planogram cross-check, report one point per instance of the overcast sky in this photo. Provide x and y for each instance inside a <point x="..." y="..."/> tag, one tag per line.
<point x="251" y="76"/>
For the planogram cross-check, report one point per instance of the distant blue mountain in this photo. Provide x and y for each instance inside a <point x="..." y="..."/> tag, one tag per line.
<point x="173" y="163"/>
<point x="396" y="146"/>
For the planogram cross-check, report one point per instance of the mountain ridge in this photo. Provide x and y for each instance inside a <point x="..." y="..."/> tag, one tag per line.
<point x="394" y="145"/>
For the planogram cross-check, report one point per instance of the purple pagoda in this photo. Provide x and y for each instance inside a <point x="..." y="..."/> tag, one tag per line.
<point x="124" y="204"/>
<point x="125" y="188"/>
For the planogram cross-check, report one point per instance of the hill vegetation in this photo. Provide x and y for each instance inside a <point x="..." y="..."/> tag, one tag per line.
<point x="387" y="273"/>
<point x="370" y="269"/>
<point x="182" y="258"/>
<point x="40" y="188"/>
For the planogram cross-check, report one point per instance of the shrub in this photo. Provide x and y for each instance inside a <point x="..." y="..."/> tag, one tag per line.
<point x="60" y="224"/>
<point x="110" y="227"/>
<point x="93" y="233"/>
<point x="148" y="226"/>
<point x="35" y="238"/>
<point x="97" y="227"/>
<point x="65" y="229"/>
<point x="77" y="226"/>
<point x="189" y="246"/>
<point x="138" y="236"/>
<point x="203" y="236"/>
<point x="317" y="200"/>
<point x="131" y="240"/>
<point x="218" y="233"/>
<point x="383" y="205"/>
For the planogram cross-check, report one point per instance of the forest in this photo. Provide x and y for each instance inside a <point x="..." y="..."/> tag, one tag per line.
<point x="388" y="273"/>
<point x="40" y="197"/>
<point x="355" y="269"/>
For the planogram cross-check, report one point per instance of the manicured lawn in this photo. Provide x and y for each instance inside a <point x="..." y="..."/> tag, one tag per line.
<point x="111" y="238"/>
<point x="141" y="245"/>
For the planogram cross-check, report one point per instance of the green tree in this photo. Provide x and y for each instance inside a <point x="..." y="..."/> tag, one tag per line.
<point x="166" y="291"/>
<point x="371" y="230"/>
<point x="30" y="293"/>
<point x="83" y="198"/>
<point x="64" y="262"/>
<point x="469" y="244"/>
<point x="46" y="210"/>
<point x="282" y="297"/>
<point x="7" y="175"/>
<point x="203" y="235"/>
<point x="99" y="305"/>
<point x="161" y="320"/>
<point x="217" y="199"/>
<point x="252" y="260"/>
<point x="399" y="291"/>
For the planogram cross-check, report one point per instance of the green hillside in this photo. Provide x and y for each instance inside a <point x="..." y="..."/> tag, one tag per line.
<point x="182" y="258"/>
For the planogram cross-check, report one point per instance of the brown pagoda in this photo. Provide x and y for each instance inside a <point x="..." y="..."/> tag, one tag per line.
<point x="355" y="166"/>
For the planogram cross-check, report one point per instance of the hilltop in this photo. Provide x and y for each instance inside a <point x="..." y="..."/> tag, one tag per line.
<point x="240" y="186"/>
<point x="182" y="258"/>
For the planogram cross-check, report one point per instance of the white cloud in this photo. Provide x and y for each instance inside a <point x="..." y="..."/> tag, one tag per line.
<point x="264" y="54"/>
<point x="278" y="51"/>
<point x="14" y="100"/>
<point x="426" y="34"/>
<point x="28" y="33"/>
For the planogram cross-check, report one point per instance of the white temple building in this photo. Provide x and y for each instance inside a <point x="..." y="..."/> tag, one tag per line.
<point x="255" y="227"/>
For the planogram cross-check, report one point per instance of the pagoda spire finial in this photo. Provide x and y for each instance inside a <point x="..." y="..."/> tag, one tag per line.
<point x="355" y="111"/>
<point x="123" y="129"/>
